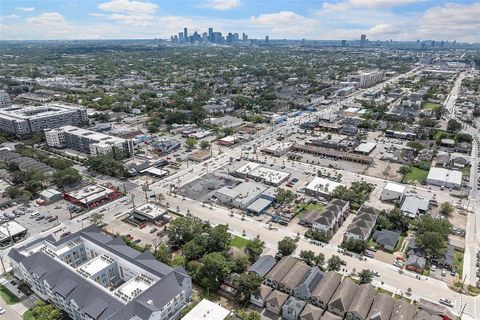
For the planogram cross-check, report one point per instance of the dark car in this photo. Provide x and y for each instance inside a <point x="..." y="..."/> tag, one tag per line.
<point x="283" y="222"/>
<point x="137" y="241"/>
<point x="65" y="234"/>
<point x="153" y="230"/>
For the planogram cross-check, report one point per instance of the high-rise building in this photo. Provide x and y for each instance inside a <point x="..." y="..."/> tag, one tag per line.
<point x="180" y="37"/>
<point x="185" y="34"/>
<point x="344" y="43"/>
<point x="244" y="37"/>
<point x="363" y="40"/>
<point x="210" y="34"/>
<point x="267" y="39"/>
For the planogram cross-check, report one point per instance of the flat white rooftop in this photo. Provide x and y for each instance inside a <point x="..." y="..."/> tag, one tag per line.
<point x="20" y="112"/>
<point x="133" y="287"/>
<point x="90" y="193"/>
<point x="150" y="210"/>
<point x="95" y="265"/>
<point x="10" y="228"/>
<point x="246" y="168"/>
<point x="395" y="187"/>
<point x="206" y="309"/>
<point x="366" y="147"/>
<point x="285" y="145"/>
<point x="269" y="175"/>
<point x="322" y="185"/>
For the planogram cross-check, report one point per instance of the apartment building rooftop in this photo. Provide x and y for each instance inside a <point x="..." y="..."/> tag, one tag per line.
<point x="21" y="112"/>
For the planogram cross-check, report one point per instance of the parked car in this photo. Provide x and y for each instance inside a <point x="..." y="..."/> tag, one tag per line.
<point x="283" y="222"/>
<point x="446" y="302"/>
<point x="142" y="225"/>
<point x="136" y="241"/>
<point x="444" y="272"/>
<point x="153" y="230"/>
<point x="65" y="234"/>
<point x="433" y="268"/>
<point x="397" y="263"/>
<point x="2" y="311"/>
<point x="368" y="254"/>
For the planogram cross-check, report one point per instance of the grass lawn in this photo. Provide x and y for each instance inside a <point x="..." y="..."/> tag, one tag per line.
<point x="466" y="171"/>
<point x="239" y="242"/>
<point x="28" y="315"/>
<point x="431" y="106"/>
<point x="399" y="245"/>
<point x="458" y="263"/>
<point x="7" y="296"/>
<point x="304" y="208"/>
<point x="448" y="135"/>
<point x="415" y="174"/>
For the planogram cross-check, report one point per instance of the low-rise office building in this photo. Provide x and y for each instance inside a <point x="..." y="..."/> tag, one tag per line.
<point x="445" y="178"/>
<point x="92" y="276"/>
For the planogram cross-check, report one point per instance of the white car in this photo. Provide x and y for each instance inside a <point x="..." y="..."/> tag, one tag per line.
<point x="446" y="302"/>
<point x="2" y="311"/>
<point x="397" y="263"/>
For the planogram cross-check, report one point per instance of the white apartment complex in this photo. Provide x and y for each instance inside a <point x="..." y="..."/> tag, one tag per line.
<point x="86" y="141"/>
<point x="92" y="276"/>
<point x="23" y="120"/>
<point x="368" y="79"/>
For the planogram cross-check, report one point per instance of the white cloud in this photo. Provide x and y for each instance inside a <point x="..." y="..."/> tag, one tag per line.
<point x="4" y="27"/>
<point x="451" y="21"/>
<point x="286" y="23"/>
<point x="127" y="6"/>
<point x="26" y="9"/>
<point x="222" y="4"/>
<point x="366" y="4"/>
<point x="134" y="13"/>
<point x="48" y="19"/>
<point x="10" y="16"/>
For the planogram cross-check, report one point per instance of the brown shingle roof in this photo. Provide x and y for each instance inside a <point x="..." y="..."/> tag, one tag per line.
<point x="310" y="312"/>
<point x="327" y="286"/>
<point x="344" y="294"/>
<point x="362" y="300"/>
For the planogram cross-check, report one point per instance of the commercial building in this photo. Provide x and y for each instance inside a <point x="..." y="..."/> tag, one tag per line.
<point x="279" y="149"/>
<point x="5" y="101"/>
<point x="23" y="120"/>
<point x="366" y="148"/>
<point x="321" y="187"/>
<point x="242" y="195"/>
<point x="92" y="195"/>
<point x="25" y="164"/>
<point x="414" y="205"/>
<point x="48" y="196"/>
<point x="86" y="141"/>
<point x="11" y="231"/>
<point x="393" y="192"/>
<point x="92" y="276"/>
<point x="259" y="173"/>
<point x="445" y="178"/>
<point x="148" y="212"/>
<point x="206" y="309"/>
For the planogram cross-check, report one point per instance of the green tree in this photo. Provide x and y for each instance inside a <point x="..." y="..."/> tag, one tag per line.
<point x="45" y="311"/>
<point x="433" y="243"/>
<point x="287" y="246"/>
<point x="393" y="220"/>
<point x="246" y="284"/>
<point x="284" y="196"/>
<point x="184" y="229"/>
<point x="446" y="208"/>
<point x="453" y="125"/>
<point x="365" y="276"/>
<point x="193" y="250"/>
<point x="204" y="145"/>
<point x="191" y="143"/>
<point x="96" y="218"/>
<point x="66" y="177"/>
<point x="162" y="254"/>
<point x="219" y="238"/>
<point x="334" y="263"/>
<point x="240" y="264"/>
<point x="319" y="259"/>
<point x="308" y="256"/>
<point x="254" y="249"/>
<point x="214" y="270"/>
<point x="404" y="170"/>
<point x="248" y="315"/>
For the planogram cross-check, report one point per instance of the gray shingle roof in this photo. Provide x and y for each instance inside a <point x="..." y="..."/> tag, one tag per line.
<point x="263" y="265"/>
<point x="362" y="300"/>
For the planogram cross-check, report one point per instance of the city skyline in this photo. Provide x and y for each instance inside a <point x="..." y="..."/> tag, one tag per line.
<point x="401" y="20"/>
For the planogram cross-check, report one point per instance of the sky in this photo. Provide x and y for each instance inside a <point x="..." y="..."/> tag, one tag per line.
<point x="291" y="19"/>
